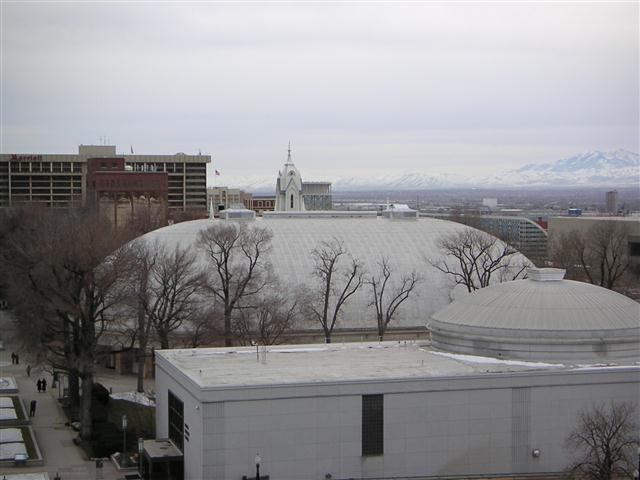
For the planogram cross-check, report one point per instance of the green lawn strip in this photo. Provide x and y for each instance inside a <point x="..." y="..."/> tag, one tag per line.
<point x="18" y="407"/>
<point x="29" y="443"/>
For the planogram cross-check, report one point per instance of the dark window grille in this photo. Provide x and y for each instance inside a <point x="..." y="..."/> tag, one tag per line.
<point x="176" y="421"/>
<point x="372" y="425"/>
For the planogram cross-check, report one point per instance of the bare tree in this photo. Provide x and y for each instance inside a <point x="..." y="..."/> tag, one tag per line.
<point x="477" y="259"/>
<point x="387" y="298"/>
<point x="599" y="255"/>
<point x="335" y="284"/>
<point x="173" y="294"/>
<point x="603" y="442"/>
<point x="240" y="270"/>
<point x="64" y="283"/>
<point x="142" y="262"/>
<point x="272" y="315"/>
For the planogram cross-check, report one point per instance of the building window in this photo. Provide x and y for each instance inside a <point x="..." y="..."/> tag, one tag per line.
<point x="176" y="421"/>
<point x="372" y="425"/>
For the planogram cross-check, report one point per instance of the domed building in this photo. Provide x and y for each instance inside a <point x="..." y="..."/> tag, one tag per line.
<point x="541" y="318"/>
<point x="407" y="243"/>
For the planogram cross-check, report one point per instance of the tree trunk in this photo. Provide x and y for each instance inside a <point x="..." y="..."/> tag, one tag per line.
<point x="86" y="421"/>
<point x="228" y="340"/>
<point x="140" y="358"/>
<point x="74" y="390"/>
<point x="164" y="339"/>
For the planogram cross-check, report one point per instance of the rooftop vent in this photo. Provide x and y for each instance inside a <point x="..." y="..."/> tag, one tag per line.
<point x="238" y="213"/>
<point x="545" y="274"/>
<point x="399" y="211"/>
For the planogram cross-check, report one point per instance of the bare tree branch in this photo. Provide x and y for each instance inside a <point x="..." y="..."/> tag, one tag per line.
<point x="335" y="284"/>
<point x="603" y="442"/>
<point x="239" y="267"/>
<point x="473" y="258"/>
<point x="387" y="302"/>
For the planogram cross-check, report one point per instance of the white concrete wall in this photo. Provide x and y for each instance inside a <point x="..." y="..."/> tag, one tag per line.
<point x="487" y="431"/>
<point x="193" y="417"/>
<point x="432" y="427"/>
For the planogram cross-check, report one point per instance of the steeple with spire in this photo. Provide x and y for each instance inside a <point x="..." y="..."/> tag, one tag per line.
<point x="289" y="187"/>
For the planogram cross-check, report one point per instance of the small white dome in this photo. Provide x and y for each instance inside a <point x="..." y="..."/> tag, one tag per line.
<point x="543" y="317"/>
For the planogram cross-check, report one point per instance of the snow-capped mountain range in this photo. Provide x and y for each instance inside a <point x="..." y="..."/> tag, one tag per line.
<point x="590" y="169"/>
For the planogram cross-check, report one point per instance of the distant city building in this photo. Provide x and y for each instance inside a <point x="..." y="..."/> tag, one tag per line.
<point x="490" y="202"/>
<point x="221" y="198"/>
<point x="294" y="195"/>
<point x="522" y="233"/>
<point x="60" y="180"/>
<point x="564" y="225"/>
<point x="317" y="195"/>
<point x="612" y="201"/>
<point x="263" y="203"/>
<point x="123" y="194"/>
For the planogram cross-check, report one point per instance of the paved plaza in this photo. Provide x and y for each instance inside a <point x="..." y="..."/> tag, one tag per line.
<point x="55" y="439"/>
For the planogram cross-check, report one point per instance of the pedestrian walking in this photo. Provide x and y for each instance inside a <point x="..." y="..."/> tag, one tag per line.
<point x="28" y="370"/>
<point x="17" y="359"/>
<point x="32" y="408"/>
<point x="39" y="384"/>
<point x="44" y="384"/>
<point x="13" y="358"/>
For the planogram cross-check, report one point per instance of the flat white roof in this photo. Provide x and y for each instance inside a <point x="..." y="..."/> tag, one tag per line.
<point x="337" y="363"/>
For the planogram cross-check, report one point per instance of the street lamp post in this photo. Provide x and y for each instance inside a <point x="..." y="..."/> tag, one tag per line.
<point x="258" y="460"/>
<point x="124" y="440"/>
<point x="140" y="450"/>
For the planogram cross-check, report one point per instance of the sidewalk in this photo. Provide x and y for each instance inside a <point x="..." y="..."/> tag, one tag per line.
<point x="61" y="455"/>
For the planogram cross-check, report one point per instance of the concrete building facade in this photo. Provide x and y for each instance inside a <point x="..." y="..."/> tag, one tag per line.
<point x="222" y="198"/>
<point x="374" y="411"/>
<point x="409" y="410"/>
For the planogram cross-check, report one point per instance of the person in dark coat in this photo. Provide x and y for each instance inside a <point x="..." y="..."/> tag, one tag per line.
<point x="28" y="370"/>
<point x="39" y="384"/>
<point x="32" y="408"/>
<point x="44" y="384"/>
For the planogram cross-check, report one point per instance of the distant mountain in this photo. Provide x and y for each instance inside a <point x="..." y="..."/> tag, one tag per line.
<point x="612" y="169"/>
<point x="619" y="168"/>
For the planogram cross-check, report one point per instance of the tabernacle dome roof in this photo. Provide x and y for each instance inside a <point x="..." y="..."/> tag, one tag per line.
<point x="543" y="317"/>
<point x="407" y="244"/>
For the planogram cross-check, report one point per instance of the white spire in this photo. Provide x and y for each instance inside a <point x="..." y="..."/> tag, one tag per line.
<point x="289" y="153"/>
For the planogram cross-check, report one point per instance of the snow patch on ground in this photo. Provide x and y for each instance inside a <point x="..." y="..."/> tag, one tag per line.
<point x="135" y="397"/>
<point x="495" y="361"/>
<point x="600" y="366"/>
<point x="27" y="476"/>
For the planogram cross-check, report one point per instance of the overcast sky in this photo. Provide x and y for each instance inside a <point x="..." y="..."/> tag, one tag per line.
<point x="358" y="88"/>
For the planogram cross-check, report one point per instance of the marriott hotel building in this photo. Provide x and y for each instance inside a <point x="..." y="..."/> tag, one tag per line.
<point x="60" y="180"/>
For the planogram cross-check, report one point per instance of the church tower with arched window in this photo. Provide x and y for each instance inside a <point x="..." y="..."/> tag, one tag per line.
<point x="289" y="188"/>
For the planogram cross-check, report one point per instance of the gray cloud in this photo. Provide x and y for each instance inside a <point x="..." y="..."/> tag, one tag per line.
<point x="356" y="86"/>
